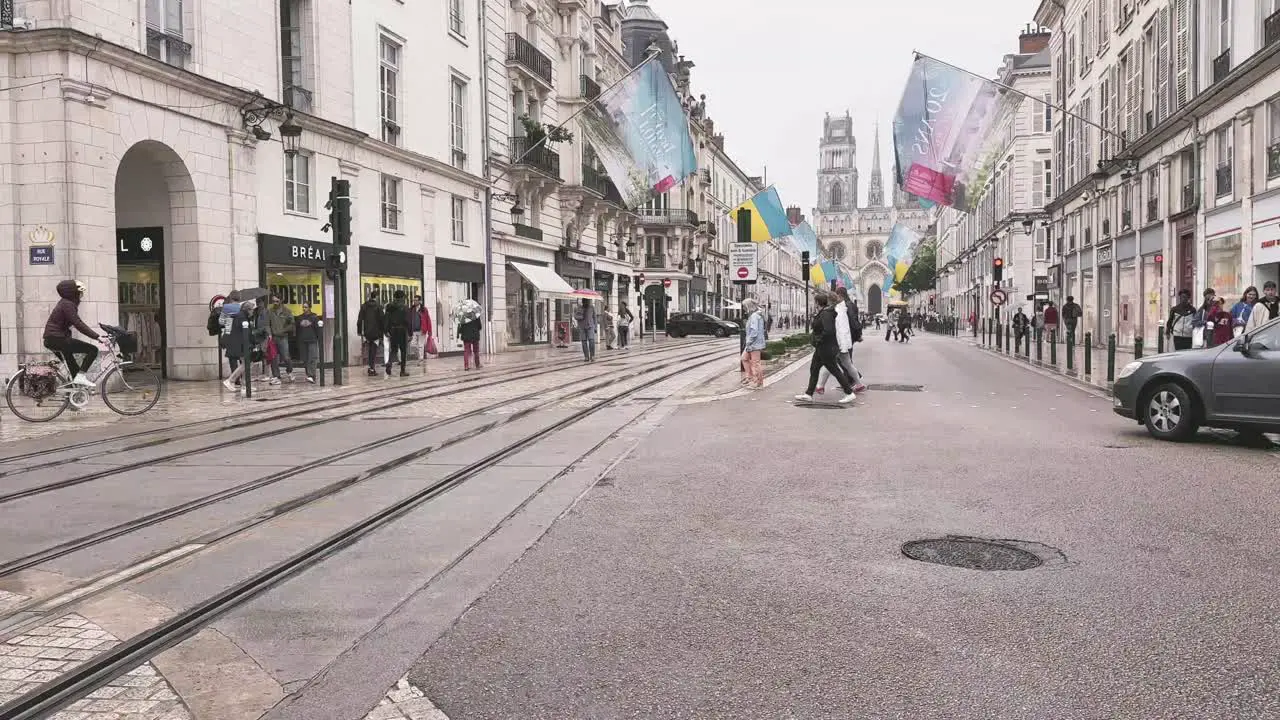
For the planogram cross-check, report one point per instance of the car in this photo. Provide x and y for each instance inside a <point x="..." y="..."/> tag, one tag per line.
<point x="1235" y="386"/>
<point x="682" y="324"/>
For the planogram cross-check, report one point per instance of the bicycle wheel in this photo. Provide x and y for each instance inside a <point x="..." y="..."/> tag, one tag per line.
<point x="39" y="392"/>
<point x="128" y="382"/>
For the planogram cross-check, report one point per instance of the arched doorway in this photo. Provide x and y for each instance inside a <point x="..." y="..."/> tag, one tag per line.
<point x="874" y="300"/>
<point x="655" y="308"/>
<point x="155" y="214"/>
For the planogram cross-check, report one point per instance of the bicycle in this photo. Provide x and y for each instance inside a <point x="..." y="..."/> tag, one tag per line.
<point x="49" y="384"/>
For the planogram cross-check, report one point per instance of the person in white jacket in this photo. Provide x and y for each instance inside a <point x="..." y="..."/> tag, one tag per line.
<point x="1265" y="310"/>
<point x="845" y="316"/>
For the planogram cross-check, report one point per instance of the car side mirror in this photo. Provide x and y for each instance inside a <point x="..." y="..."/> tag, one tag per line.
<point x="1255" y="348"/>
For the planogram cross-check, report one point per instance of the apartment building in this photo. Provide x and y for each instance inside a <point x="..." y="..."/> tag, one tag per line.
<point x="165" y="153"/>
<point x="1009" y="221"/>
<point x="1167" y="157"/>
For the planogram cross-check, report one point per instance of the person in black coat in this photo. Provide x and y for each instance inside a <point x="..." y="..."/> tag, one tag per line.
<point x="371" y="325"/>
<point x="826" y="348"/>
<point x="469" y="333"/>
<point x="241" y="341"/>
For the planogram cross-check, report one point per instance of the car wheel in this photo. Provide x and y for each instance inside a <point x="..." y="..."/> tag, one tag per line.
<point x="677" y="334"/>
<point x="721" y="332"/>
<point x="1169" y="413"/>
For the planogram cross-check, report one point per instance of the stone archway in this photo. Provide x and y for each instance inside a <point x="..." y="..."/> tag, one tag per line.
<point x="158" y="261"/>
<point x="875" y="299"/>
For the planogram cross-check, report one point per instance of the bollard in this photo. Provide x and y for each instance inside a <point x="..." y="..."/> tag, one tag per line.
<point x="1088" y="354"/>
<point x="1053" y="350"/>
<point x="1137" y="348"/>
<point x="1071" y="352"/>
<point x="995" y="330"/>
<point x="320" y="360"/>
<point x="1160" y="342"/>
<point x="1039" y="346"/>
<point x="247" y="360"/>
<point x="1111" y="358"/>
<point x="1007" y="347"/>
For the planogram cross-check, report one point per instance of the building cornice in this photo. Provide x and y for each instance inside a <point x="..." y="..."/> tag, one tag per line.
<point x="74" y="41"/>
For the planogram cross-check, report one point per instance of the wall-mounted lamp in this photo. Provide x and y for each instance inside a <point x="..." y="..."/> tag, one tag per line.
<point x="257" y="111"/>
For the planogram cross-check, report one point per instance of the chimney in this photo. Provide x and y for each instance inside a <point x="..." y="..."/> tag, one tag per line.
<point x="794" y="216"/>
<point x="1033" y="40"/>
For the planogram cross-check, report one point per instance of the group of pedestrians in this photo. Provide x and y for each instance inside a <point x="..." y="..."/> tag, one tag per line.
<point x="616" y="329"/>
<point x="1211" y="324"/>
<point x="835" y="329"/>
<point x="387" y="331"/>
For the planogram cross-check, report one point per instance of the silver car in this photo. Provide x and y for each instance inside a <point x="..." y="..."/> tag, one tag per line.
<point x="1235" y="386"/>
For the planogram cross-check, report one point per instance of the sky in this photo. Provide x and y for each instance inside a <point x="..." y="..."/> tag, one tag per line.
<point x="771" y="70"/>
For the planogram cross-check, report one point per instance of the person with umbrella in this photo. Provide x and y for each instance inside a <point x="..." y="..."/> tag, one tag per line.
<point x="467" y="317"/>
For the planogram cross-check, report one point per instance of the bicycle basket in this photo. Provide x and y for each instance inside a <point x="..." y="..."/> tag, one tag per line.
<point x="39" y="382"/>
<point x="128" y="343"/>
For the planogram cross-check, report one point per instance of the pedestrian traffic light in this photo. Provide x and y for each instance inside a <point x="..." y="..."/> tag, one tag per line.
<point x="804" y="265"/>
<point x="337" y="261"/>
<point x="997" y="269"/>
<point x="339" y="207"/>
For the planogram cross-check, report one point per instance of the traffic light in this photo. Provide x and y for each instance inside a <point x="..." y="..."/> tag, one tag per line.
<point x="337" y="262"/>
<point x="339" y="207"/>
<point x="997" y="269"/>
<point x="804" y="265"/>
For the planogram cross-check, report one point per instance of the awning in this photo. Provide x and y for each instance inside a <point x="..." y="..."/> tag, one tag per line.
<point x="588" y="294"/>
<point x="545" y="281"/>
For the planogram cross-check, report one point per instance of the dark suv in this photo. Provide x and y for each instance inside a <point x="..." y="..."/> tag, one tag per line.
<point x="682" y="324"/>
<point x="1234" y="386"/>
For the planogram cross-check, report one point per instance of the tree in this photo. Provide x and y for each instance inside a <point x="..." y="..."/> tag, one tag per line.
<point x="922" y="273"/>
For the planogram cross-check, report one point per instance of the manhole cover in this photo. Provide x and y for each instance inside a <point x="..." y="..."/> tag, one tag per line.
<point x="897" y="388"/>
<point x="972" y="554"/>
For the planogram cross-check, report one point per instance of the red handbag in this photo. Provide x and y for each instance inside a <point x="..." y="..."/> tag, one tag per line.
<point x="431" y="345"/>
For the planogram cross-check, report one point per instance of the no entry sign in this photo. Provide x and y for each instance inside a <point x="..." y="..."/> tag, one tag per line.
<point x="998" y="297"/>
<point x="666" y="282"/>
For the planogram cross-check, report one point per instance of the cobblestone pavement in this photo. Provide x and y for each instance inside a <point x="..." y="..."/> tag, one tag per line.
<point x="45" y="652"/>
<point x="406" y="702"/>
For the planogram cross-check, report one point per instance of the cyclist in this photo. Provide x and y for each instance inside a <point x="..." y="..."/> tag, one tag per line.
<point x="57" y="332"/>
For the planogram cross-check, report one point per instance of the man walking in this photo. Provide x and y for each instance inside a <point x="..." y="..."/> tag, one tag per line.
<point x="396" y="318"/>
<point x="826" y="348"/>
<point x="587" y="326"/>
<point x="1071" y="314"/>
<point x="1021" y="324"/>
<point x="848" y="334"/>
<point x="371" y="327"/>
<point x="281" y="326"/>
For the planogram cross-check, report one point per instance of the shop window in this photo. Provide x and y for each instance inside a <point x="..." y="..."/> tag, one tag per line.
<point x="1224" y="259"/>
<point x="297" y="182"/>
<point x="391" y="203"/>
<point x="140" y="281"/>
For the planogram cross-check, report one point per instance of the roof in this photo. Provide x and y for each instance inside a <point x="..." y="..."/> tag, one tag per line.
<point x="640" y="10"/>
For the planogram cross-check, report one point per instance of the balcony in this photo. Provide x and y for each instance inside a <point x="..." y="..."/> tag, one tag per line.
<point x="1221" y="66"/>
<point x="590" y="88"/>
<point x="1222" y="180"/>
<point x="650" y="216"/>
<point x="595" y="180"/>
<point x="1153" y="209"/>
<point x="527" y="231"/>
<point x="708" y="227"/>
<point x="1271" y="29"/>
<point x="611" y="193"/>
<point x="540" y="158"/>
<point x="522" y="53"/>
<point x="1273" y="161"/>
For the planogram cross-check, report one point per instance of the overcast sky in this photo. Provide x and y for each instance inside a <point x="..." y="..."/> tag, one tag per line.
<point x="770" y="70"/>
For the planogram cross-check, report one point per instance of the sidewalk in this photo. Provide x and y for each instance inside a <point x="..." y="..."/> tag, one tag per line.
<point x="1044" y="358"/>
<point x="193" y="401"/>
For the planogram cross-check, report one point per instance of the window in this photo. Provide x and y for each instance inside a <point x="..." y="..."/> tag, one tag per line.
<point x="1153" y="194"/>
<point x="1269" y="337"/>
<point x="1086" y="136"/>
<point x="1222" y="34"/>
<point x="1223" y="154"/>
<point x="292" y="59"/>
<point x="458" y="225"/>
<point x="1048" y="113"/>
<point x="1086" y="42"/>
<point x="1048" y="180"/>
<point x="458" y="121"/>
<point x="297" y="183"/>
<point x="389" y="89"/>
<point x="457" y="20"/>
<point x="390" y="202"/>
<point x="1071" y="61"/>
<point x="165" y="40"/>
<point x="1273" y="137"/>
<point x="1104" y="24"/>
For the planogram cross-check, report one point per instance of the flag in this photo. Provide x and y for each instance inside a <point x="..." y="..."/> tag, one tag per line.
<point x="768" y="218"/>
<point x="804" y="239"/>
<point x="941" y="132"/>
<point x="823" y="273"/>
<point x="640" y="132"/>
<point x="899" y="251"/>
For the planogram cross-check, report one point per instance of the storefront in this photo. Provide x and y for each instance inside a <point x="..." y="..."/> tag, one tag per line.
<point x="1224" y="257"/>
<point x="532" y="287"/>
<point x="1266" y="240"/>
<point x="580" y="276"/>
<point x="456" y="281"/>
<point x="385" y="272"/>
<point x="140" y="287"/>
<point x="293" y="270"/>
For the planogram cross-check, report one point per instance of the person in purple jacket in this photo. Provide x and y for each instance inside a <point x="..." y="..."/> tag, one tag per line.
<point x="57" y="332"/>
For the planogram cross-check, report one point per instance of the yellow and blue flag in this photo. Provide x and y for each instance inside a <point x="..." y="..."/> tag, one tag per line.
<point x="768" y="217"/>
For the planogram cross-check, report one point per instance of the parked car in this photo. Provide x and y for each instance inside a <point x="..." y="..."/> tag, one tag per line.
<point x="1235" y="386"/>
<point x="682" y="324"/>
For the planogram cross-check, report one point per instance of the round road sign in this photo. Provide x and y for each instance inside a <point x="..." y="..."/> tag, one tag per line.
<point x="998" y="297"/>
<point x="666" y="282"/>
<point x="743" y="273"/>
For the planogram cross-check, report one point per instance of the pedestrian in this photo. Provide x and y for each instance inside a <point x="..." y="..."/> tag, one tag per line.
<point x="1181" y="323"/>
<point x="587" y="326"/>
<point x="420" y="325"/>
<point x="281" y="325"/>
<point x="753" y="368"/>
<point x="227" y="314"/>
<point x="1071" y="314"/>
<point x="309" y="340"/>
<point x="1220" y="322"/>
<point x="825" y="349"/>
<point x="396" y="320"/>
<point x="625" y="318"/>
<point x="469" y="333"/>
<point x="240" y="342"/>
<point x="1051" y="321"/>
<point x="371" y="326"/>
<point x="1241" y="311"/>
<point x="1203" y="335"/>
<point x="904" y="326"/>
<point x="1266" y="309"/>
<point x="848" y="334"/>
<point x="608" y="328"/>
<point x="1021" y="324"/>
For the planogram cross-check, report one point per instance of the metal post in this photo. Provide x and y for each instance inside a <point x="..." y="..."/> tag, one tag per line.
<point x="1111" y="358"/>
<point x="320" y="360"/>
<point x="1159" y="342"/>
<point x="744" y="235"/>
<point x="1053" y="350"/>
<point x="339" y="319"/>
<point x="1137" y="348"/>
<point x="1088" y="354"/>
<point x="1071" y="351"/>
<point x="1039" y="345"/>
<point x="1008" y="346"/>
<point x="247" y="359"/>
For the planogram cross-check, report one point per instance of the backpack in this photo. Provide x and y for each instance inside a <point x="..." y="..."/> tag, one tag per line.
<point x="397" y="317"/>
<point x="214" y="325"/>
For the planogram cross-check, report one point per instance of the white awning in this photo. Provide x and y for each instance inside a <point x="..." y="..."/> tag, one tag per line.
<point x="545" y="281"/>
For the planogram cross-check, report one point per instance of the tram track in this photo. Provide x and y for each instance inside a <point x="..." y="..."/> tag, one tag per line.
<point x="266" y="415"/>
<point x="112" y="663"/>
<point x="63" y="483"/>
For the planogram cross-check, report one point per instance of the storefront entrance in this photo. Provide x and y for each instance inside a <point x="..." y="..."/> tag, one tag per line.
<point x="528" y="321"/>
<point x="456" y="281"/>
<point x="578" y="274"/>
<point x="140" y="286"/>
<point x="655" y="308"/>
<point x="294" y="271"/>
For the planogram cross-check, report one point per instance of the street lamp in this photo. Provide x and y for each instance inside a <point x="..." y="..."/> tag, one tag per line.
<point x="290" y="134"/>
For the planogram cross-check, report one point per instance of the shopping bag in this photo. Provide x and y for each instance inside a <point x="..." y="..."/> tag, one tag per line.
<point x="1197" y="338"/>
<point x="431" y="345"/>
<point x="386" y="351"/>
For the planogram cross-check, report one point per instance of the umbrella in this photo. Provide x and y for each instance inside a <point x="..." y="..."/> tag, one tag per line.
<point x="466" y="311"/>
<point x="256" y="293"/>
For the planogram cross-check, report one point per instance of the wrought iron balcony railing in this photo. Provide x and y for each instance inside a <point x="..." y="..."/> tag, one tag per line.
<point x="1222" y="65"/>
<point x="667" y="217"/>
<point x="527" y="231"/>
<point x="595" y="180"/>
<point x="541" y="157"/>
<point x="523" y="52"/>
<point x="1273" y="161"/>
<point x="1153" y="209"/>
<point x="590" y="88"/>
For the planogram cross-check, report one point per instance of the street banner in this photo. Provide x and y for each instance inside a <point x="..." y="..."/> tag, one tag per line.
<point x="640" y="132"/>
<point x="899" y="251"/>
<point x="768" y="217"/>
<point x="804" y="239"/>
<point x="823" y="273"/>
<point x="941" y="130"/>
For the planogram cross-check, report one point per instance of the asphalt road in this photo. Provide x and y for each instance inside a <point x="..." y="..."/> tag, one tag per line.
<point x="745" y="563"/>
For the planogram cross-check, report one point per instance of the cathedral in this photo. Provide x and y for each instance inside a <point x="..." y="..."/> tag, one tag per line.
<point x="851" y="233"/>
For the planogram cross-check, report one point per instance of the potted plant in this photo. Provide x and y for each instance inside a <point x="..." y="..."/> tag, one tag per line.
<point x="536" y="132"/>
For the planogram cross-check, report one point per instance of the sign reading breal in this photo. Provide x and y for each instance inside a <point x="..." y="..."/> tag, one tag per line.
<point x="742" y="262"/>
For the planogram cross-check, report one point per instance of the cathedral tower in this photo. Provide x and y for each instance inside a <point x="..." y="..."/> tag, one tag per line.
<point x="875" y="194"/>
<point x="837" y="165"/>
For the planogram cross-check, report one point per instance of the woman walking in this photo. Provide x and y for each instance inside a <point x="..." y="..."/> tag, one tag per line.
<point x="825" y="350"/>
<point x="753" y="368"/>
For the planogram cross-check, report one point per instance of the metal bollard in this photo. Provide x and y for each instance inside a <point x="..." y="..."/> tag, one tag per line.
<point x="995" y="329"/>
<point x="1071" y="351"/>
<point x="1088" y="354"/>
<point x="320" y="360"/>
<point x="1053" y="350"/>
<point x="247" y="360"/>
<point x="1039" y="346"/>
<point x="1007" y="347"/>
<point x="1137" y="348"/>
<point x="1160" y="342"/>
<point x="1111" y="358"/>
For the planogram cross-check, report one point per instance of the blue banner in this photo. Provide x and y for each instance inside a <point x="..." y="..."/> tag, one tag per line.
<point x="640" y="132"/>
<point x="899" y="251"/>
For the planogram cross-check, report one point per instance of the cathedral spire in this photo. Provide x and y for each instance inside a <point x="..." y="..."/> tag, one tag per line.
<point x="875" y="193"/>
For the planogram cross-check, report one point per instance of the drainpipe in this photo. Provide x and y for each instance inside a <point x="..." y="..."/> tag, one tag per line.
<point x="485" y="173"/>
